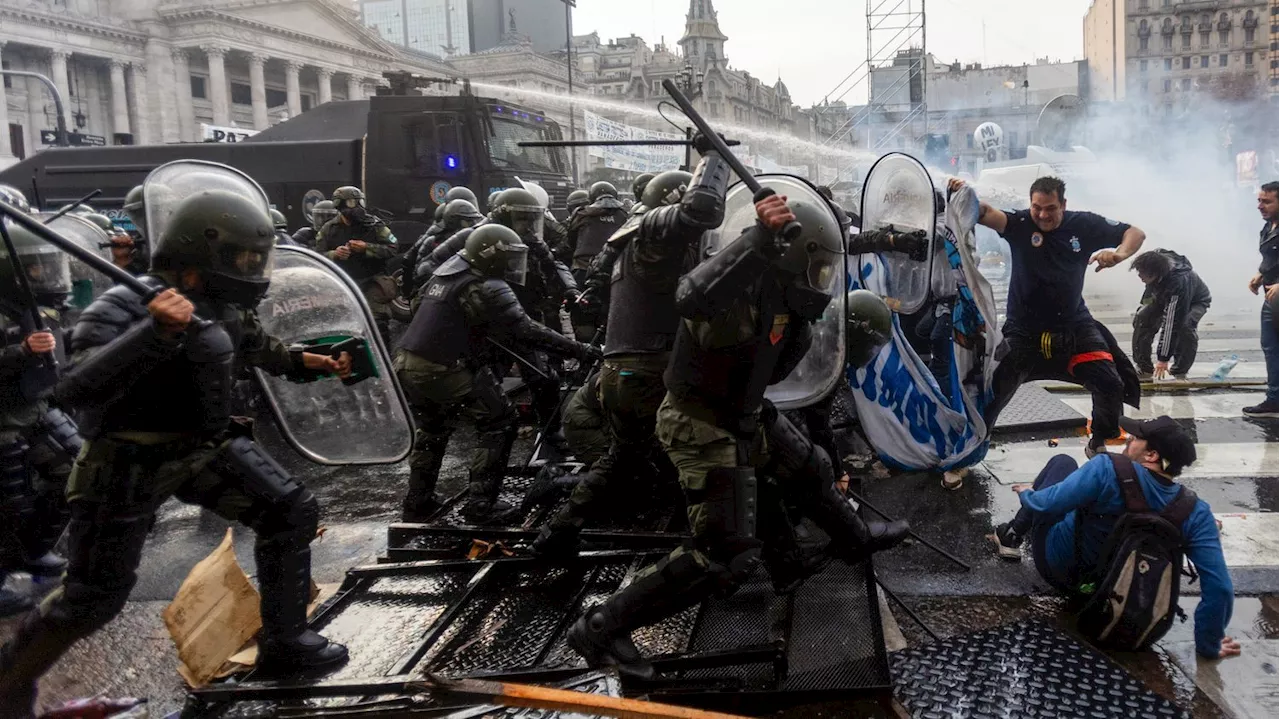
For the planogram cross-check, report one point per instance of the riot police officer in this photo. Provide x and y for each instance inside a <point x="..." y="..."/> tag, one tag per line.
<point x="38" y="442"/>
<point x="593" y="225"/>
<point x="746" y="315"/>
<point x="281" y="225"/>
<point x="153" y="388"/>
<point x="444" y="369"/>
<point x="361" y="243"/>
<point x="321" y="213"/>
<point x="457" y="215"/>
<point x="548" y="283"/>
<point x="637" y="190"/>
<point x="126" y="253"/>
<point x="652" y="253"/>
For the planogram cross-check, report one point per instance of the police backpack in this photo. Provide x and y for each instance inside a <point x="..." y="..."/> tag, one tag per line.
<point x="1132" y="596"/>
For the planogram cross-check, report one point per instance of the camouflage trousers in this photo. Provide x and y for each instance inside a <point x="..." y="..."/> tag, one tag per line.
<point x="697" y="447"/>
<point x="630" y="392"/>
<point x="442" y="399"/>
<point x="584" y="424"/>
<point x="380" y="291"/>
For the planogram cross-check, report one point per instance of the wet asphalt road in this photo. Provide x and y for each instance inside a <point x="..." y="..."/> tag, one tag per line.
<point x="134" y="655"/>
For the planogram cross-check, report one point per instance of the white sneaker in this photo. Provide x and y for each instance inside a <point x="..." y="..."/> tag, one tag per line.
<point x="954" y="479"/>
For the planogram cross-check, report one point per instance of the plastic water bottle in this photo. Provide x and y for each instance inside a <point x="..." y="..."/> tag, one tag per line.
<point x="1225" y="366"/>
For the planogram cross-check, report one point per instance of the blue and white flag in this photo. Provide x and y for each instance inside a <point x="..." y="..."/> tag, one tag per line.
<point x="909" y="420"/>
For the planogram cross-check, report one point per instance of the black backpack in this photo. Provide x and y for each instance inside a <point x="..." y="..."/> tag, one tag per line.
<point x="1134" y="594"/>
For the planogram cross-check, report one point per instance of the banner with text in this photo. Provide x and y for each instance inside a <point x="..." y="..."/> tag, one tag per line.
<point x="631" y="158"/>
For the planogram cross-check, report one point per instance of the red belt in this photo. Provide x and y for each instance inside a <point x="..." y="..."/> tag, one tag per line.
<point x="1088" y="357"/>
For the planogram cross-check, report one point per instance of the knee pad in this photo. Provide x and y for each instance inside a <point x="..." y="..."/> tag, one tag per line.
<point x="60" y="434"/>
<point x="286" y="505"/>
<point x="730" y="502"/>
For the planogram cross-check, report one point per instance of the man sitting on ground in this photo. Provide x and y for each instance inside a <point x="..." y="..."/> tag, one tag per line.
<point x="1173" y="304"/>
<point x="1064" y="496"/>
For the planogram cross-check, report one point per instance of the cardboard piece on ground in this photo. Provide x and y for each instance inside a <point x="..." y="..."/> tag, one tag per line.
<point x="1243" y="687"/>
<point x="248" y="656"/>
<point x="213" y="614"/>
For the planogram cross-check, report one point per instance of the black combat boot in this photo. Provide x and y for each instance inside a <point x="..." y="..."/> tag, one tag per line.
<point x="483" y="506"/>
<point x="45" y="565"/>
<point x="853" y="539"/>
<point x="789" y="569"/>
<point x="420" y="502"/>
<point x="557" y="542"/>
<point x="603" y="634"/>
<point x="12" y="603"/>
<point x="284" y="580"/>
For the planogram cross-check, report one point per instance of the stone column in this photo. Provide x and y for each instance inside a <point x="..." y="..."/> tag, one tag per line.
<point x="219" y="91"/>
<point x="162" y="123"/>
<point x="292" y="90"/>
<point x="119" y="101"/>
<point x="58" y="68"/>
<point x="182" y="92"/>
<point x="6" y="150"/>
<point x="141" y="129"/>
<point x="355" y="88"/>
<point x="258" y="90"/>
<point x="324" y="80"/>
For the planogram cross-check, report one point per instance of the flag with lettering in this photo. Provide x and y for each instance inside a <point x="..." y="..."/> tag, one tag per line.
<point x="909" y="420"/>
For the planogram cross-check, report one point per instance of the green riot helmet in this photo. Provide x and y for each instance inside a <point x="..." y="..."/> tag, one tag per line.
<point x="228" y="237"/>
<point x="102" y="222"/>
<point x="350" y="203"/>
<point x="813" y="259"/>
<point x="638" y="185"/>
<point x="460" y="193"/>
<point x="47" y="268"/>
<point x="576" y="199"/>
<point x="518" y="209"/>
<point x="14" y="196"/>
<point x="134" y="208"/>
<point x="869" y="327"/>
<point x="497" y="251"/>
<point x="665" y="189"/>
<point x="459" y="214"/>
<point x="322" y="212"/>
<point x="602" y="189"/>
<point x="492" y="202"/>
<point x="438" y="217"/>
<point x="278" y="221"/>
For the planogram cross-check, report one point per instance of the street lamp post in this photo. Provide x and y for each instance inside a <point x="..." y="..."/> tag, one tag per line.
<point x="568" y="66"/>
<point x="690" y="82"/>
<point x="61" y="121"/>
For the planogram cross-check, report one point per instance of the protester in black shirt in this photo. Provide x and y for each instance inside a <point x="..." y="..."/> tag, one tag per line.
<point x="1048" y="329"/>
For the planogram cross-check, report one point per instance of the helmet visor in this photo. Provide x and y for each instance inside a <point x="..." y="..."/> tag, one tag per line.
<point x="171" y="183"/>
<point x="349" y="203"/>
<point x="246" y="261"/>
<point x="48" y="271"/>
<point x="823" y="270"/>
<point x="517" y="264"/>
<point x="526" y="220"/>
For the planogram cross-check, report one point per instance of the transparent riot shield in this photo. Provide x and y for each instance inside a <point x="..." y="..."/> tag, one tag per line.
<point x="817" y="374"/>
<point x="898" y="192"/>
<point x="311" y="302"/>
<point x="86" y="283"/>
<point x="169" y="184"/>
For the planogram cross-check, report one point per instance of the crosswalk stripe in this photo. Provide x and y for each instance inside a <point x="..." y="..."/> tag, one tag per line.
<point x="1192" y="406"/>
<point x="1019" y="463"/>
<point x="1250" y="539"/>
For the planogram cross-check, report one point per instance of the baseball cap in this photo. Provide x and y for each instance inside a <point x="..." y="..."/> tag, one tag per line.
<point x="1166" y="437"/>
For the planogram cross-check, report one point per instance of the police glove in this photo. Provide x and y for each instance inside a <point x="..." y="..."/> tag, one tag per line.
<point x="914" y="244"/>
<point x="589" y="353"/>
<point x="702" y="144"/>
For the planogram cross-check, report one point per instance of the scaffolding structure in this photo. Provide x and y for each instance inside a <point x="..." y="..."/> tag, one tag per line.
<point x="895" y="39"/>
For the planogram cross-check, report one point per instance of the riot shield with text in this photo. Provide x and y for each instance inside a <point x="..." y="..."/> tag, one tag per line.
<point x="816" y="375"/>
<point x="363" y="420"/>
<point x="86" y="283"/>
<point x="899" y="193"/>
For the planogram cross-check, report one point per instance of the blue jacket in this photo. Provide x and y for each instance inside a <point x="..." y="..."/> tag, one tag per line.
<point x="1094" y="487"/>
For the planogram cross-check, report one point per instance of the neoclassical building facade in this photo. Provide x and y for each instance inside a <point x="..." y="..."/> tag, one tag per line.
<point x="148" y="71"/>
